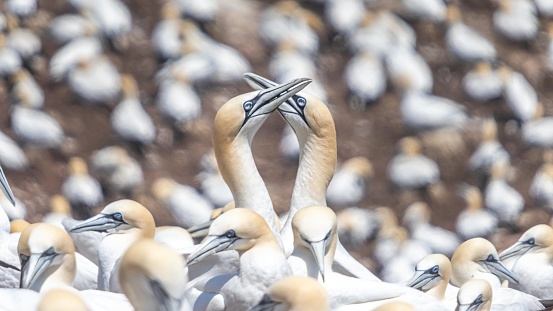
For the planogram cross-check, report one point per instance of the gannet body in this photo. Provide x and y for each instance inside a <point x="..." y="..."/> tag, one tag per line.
<point x="95" y="79"/>
<point x="48" y="262"/>
<point x="365" y="78"/>
<point x="112" y="17"/>
<point x="433" y="10"/>
<point x="262" y="261"/>
<point x="541" y="189"/>
<point x="474" y="221"/>
<point x="519" y="94"/>
<point x="535" y="132"/>
<point x="25" y="42"/>
<point x="421" y="111"/>
<point x="125" y="222"/>
<point x="349" y="184"/>
<point x="9" y="259"/>
<point x="405" y="65"/>
<point x="199" y="10"/>
<point x="294" y="293"/>
<point x="13" y="157"/>
<point x="26" y="91"/>
<point x="483" y="83"/>
<point x="69" y="27"/>
<point x="68" y="56"/>
<point x="212" y="184"/>
<point x="117" y="169"/>
<point x="178" y="101"/>
<point x="314" y="127"/>
<point x="10" y="61"/>
<point x="79" y="187"/>
<point x="5" y="187"/>
<point x="175" y="238"/>
<point x="18" y="299"/>
<point x="288" y="146"/>
<point x="489" y="150"/>
<point x="356" y="225"/>
<point x="153" y="276"/>
<point x="344" y="15"/>
<point x="516" y="20"/>
<point x="531" y="259"/>
<point x="61" y="300"/>
<point x="410" y="169"/>
<point x="36" y="127"/>
<point x="500" y="197"/>
<point x="24" y="8"/>
<point x="165" y="37"/>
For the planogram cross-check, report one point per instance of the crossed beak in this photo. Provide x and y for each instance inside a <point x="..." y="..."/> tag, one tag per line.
<point x="201" y="230"/>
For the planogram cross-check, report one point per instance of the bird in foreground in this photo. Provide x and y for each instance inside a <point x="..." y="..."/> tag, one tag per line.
<point x="124" y="222"/>
<point x="530" y="259"/>
<point x="6" y="187"/>
<point x="314" y="127"/>
<point x="262" y="262"/>
<point x="9" y="261"/>
<point x="61" y="300"/>
<point x="475" y="295"/>
<point x="294" y="293"/>
<point x="153" y="277"/>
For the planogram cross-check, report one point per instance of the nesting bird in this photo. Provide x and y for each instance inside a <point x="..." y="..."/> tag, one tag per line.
<point x="79" y="187"/>
<point x="349" y="184"/>
<point x="410" y="169"/>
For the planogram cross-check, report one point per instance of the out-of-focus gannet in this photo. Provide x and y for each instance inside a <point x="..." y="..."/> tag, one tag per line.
<point x="489" y="150"/>
<point x="95" y="79"/>
<point x="294" y="293"/>
<point x="365" y="77"/>
<point x="117" y="169"/>
<point x="483" y="82"/>
<point x="516" y="20"/>
<point x="408" y="71"/>
<point x="12" y="157"/>
<point x="9" y="263"/>
<point x="165" y="38"/>
<point x="24" y="41"/>
<point x="10" y="61"/>
<point x="410" y="169"/>
<point x="26" y="91"/>
<point x="36" y="127"/>
<point x="262" y="262"/>
<point x="6" y="187"/>
<point x="68" y="56"/>
<point x="235" y="125"/>
<point x="68" y="27"/>
<point x="79" y="187"/>
<point x="417" y="219"/>
<point x="344" y="15"/>
<point x="125" y="222"/>
<point x="212" y="184"/>
<point x="464" y="42"/>
<point x="153" y="276"/>
<point x="478" y="259"/>
<point x="21" y="8"/>
<point x="314" y="127"/>
<point x="18" y="225"/>
<point x="535" y="132"/>
<point x="61" y="300"/>
<point x="396" y="306"/>
<point x="347" y="187"/>
<point x="177" y="100"/>
<point x="474" y="221"/>
<point x="541" y="189"/>
<point x="315" y="240"/>
<point x="356" y="225"/>
<point x="48" y="262"/>
<point x="519" y="94"/>
<point x="129" y="119"/>
<point x="531" y="258"/>
<point x="475" y="295"/>
<point x="17" y="211"/>
<point x="199" y="10"/>
<point x="187" y="206"/>
<point x="500" y="197"/>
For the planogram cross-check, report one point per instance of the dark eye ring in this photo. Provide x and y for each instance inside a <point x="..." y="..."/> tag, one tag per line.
<point x="50" y="252"/>
<point x="301" y="101"/>
<point x="435" y="269"/>
<point x="248" y="105"/>
<point x="230" y="234"/>
<point x="531" y="241"/>
<point x="490" y="258"/>
<point x="24" y="257"/>
<point x="118" y="216"/>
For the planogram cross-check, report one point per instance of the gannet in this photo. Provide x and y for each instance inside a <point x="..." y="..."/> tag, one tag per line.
<point x="24" y="41"/>
<point x="464" y="42"/>
<point x="541" y="188"/>
<point x="61" y="300"/>
<point x="178" y="101"/>
<point x="9" y="262"/>
<point x="519" y="94"/>
<point x="516" y="20"/>
<point x="356" y="225"/>
<point x="26" y="91"/>
<point x="474" y="221"/>
<point x="187" y="206"/>
<point x="67" y="27"/>
<point x="235" y="125"/>
<point x="489" y="150"/>
<point x="200" y="230"/>
<point x="349" y="183"/>
<point x="478" y="259"/>
<point x="366" y="80"/>
<point x="80" y="188"/>
<point x="410" y="169"/>
<point x="315" y="240"/>
<point x="475" y="295"/>
<point x="544" y="7"/>
<point x="535" y="132"/>
<point x="10" y="61"/>
<point x="396" y="306"/>
<point x="531" y="258"/>
<point x="262" y="261"/>
<point x="314" y="127"/>
<point x="165" y="37"/>
<point x="112" y="17"/>
<point x="199" y="10"/>
<point x="95" y="79"/>
<point x="483" y="82"/>
<point x="125" y="222"/>
<point x="153" y="276"/>
<point x="36" y="127"/>
<point x="17" y="211"/>
<point x="21" y="8"/>
<point x="344" y="15"/>
<point x="6" y="187"/>
<point x="500" y="197"/>
<point x="13" y="157"/>
<point x="432" y="276"/>
<point x="129" y="119"/>
<point x="294" y="293"/>
<point x="288" y="146"/>
<point x="48" y="262"/>
<point x="408" y="71"/>
<point x="68" y="56"/>
<point x="433" y="10"/>
<point x="176" y="238"/>
<point x="212" y="184"/>
<point x="18" y="225"/>
<point x="417" y="219"/>
<point x="117" y="169"/>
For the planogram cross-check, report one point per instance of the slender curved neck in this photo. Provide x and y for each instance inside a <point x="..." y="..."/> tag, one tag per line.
<point x="237" y="166"/>
<point x="56" y="277"/>
<point x="438" y="291"/>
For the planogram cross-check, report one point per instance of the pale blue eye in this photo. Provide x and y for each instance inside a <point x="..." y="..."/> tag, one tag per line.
<point x="118" y="217"/>
<point x="248" y="106"/>
<point x="301" y="101"/>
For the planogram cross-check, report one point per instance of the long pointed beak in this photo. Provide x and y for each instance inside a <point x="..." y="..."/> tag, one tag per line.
<point x="6" y="187"/>
<point x="100" y="223"/>
<point x="165" y="301"/>
<point x="499" y="270"/>
<point x="318" y="249"/>
<point x="267" y="100"/>
<point x="211" y="245"/>
<point x="266" y="304"/>
<point x="33" y="269"/>
<point x="201" y="230"/>
<point x="517" y="249"/>
<point x="420" y="279"/>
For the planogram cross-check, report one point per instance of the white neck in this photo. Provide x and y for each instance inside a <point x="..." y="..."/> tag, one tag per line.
<point x="112" y="248"/>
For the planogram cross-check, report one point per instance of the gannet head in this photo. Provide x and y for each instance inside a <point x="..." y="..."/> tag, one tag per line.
<point x="119" y="217"/>
<point x="475" y="295"/>
<point x="430" y="271"/>
<point x="238" y="229"/>
<point x="410" y="146"/>
<point x="417" y="213"/>
<point x="43" y="250"/>
<point x="77" y="166"/>
<point x="61" y="300"/>
<point x="5" y="187"/>
<point x="359" y="165"/>
<point x="200" y="230"/>
<point x="533" y="240"/>
<point x="244" y="114"/>
<point x="315" y="229"/>
<point x="59" y="204"/>
<point x="473" y="198"/>
<point x="153" y="276"/>
<point x="477" y="255"/>
<point x="295" y="293"/>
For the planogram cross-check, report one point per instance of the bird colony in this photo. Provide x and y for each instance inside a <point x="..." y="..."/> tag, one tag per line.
<point x="410" y="166"/>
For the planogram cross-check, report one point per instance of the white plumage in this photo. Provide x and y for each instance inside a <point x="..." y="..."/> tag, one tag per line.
<point x="36" y="127"/>
<point x="79" y="187"/>
<point x="178" y="101"/>
<point x="426" y="112"/>
<point x="516" y="20"/>
<point x="408" y="70"/>
<point x="519" y="94"/>
<point x="25" y="42"/>
<point x="12" y="156"/>
<point x="96" y="80"/>
<point x="71" y="54"/>
<point x="483" y="83"/>
<point x="67" y="27"/>
<point x="26" y="91"/>
<point x="365" y="77"/>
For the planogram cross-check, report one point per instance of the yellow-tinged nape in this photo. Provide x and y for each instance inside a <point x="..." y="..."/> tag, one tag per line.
<point x="472" y="290"/>
<point x="59" y="204"/>
<point x="77" y="166"/>
<point x="158" y="264"/>
<point x="18" y="225"/>
<point x="299" y="293"/>
<point x="61" y="300"/>
<point x="39" y="237"/>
